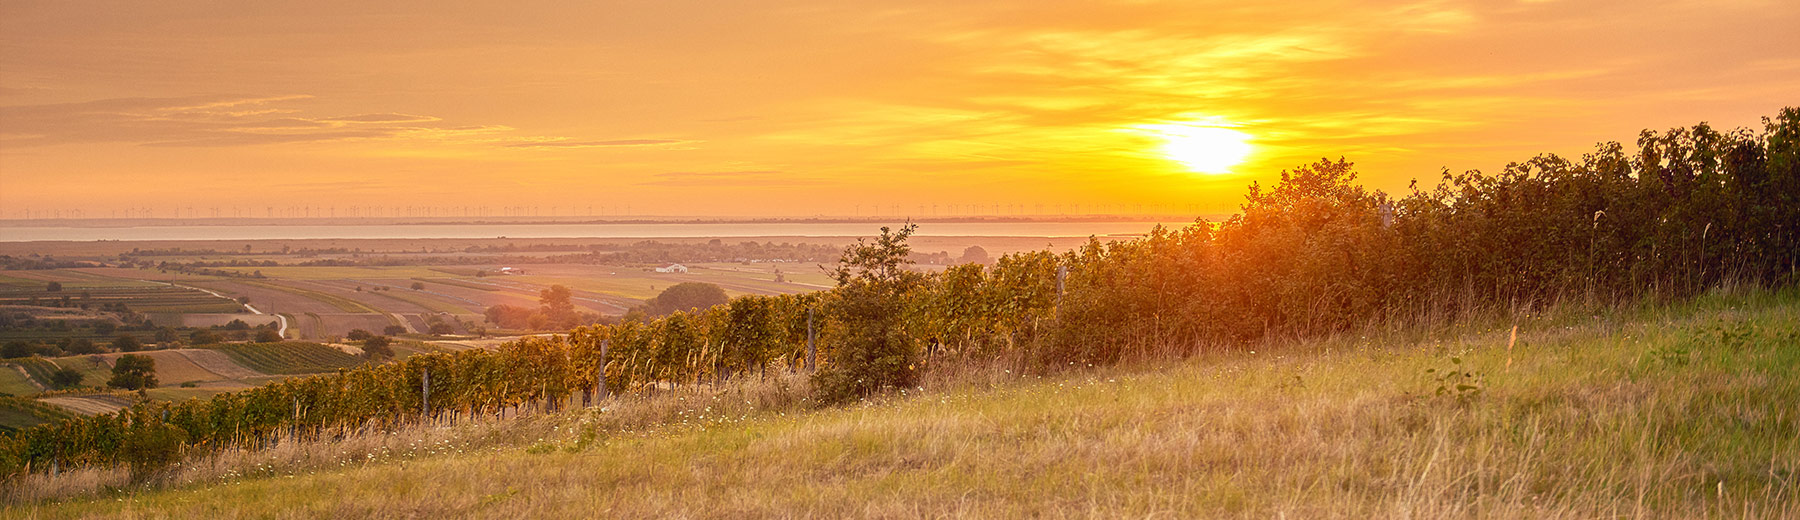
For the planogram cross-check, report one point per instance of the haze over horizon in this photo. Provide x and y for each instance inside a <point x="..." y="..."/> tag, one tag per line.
<point x="825" y="108"/>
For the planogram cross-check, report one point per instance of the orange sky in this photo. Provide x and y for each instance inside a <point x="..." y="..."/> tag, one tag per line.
<point x="784" y="108"/>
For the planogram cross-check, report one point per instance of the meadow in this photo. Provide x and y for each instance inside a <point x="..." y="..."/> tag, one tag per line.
<point x="1660" y="410"/>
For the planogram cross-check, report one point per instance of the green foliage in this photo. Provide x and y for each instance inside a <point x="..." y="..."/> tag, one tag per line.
<point x="152" y="448"/>
<point x="1455" y="382"/>
<point x="872" y="351"/>
<point x="133" y="372"/>
<point x="358" y="335"/>
<point x="686" y="297"/>
<point x="205" y="337"/>
<point x="378" y="348"/>
<point x="267" y="336"/>
<point x="64" y="378"/>
<point x="127" y="343"/>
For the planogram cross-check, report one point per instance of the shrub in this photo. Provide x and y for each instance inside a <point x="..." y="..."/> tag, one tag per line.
<point x="267" y="336"/>
<point x="378" y="347"/>
<point x="65" y="378"/>
<point x="358" y="335"/>
<point x="152" y="449"/>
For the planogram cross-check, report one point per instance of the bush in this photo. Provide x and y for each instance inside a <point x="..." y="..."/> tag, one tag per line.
<point x="205" y="337"/>
<point x="441" y="328"/>
<point x="358" y="335"/>
<point x="127" y="343"/>
<point x="377" y="347"/>
<point x="874" y="352"/>
<point x="393" y="330"/>
<point x="152" y="449"/>
<point x="267" y="336"/>
<point x="65" y="378"/>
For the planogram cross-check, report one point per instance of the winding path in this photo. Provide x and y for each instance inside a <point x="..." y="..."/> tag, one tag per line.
<point x="281" y="329"/>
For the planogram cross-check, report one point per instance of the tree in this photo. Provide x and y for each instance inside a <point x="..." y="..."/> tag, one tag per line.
<point x="441" y="328"/>
<point x="358" y="335"/>
<point x="81" y="346"/>
<point x="975" y="255"/>
<point x="166" y="335"/>
<point x="127" y="343"/>
<point x="686" y="296"/>
<point x="267" y="336"/>
<point x="65" y="378"/>
<point x="17" y="348"/>
<point x="393" y="330"/>
<point x="557" y="302"/>
<point x="874" y="353"/>
<point x="53" y="287"/>
<point x="133" y="372"/>
<point x="418" y="286"/>
<point x="205" y="337"/>
<point x="237" y="325"/>
<point x="378" y="347"/>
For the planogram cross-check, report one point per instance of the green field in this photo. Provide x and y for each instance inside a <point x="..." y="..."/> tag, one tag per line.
<point x="291" y="357"/>
<point x="1644" y="412"/>
<point x="14" y="383"/>
<point x="19" y="412"/>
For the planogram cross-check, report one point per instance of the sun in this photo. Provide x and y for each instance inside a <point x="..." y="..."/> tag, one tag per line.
<point x="1203" y="148"/>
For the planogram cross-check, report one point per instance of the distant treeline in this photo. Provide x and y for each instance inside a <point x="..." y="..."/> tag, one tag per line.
<point x="1315" y="253"/>
<point x="645" y="252"/>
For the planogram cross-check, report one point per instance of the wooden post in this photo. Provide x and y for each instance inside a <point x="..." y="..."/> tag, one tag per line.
<point x="425" y="393"/>
<point x="812" y="348"/>
<point x="1062" y="276"/>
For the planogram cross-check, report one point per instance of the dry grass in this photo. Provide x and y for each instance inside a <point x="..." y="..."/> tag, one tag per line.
<point x="1643" y="412"/>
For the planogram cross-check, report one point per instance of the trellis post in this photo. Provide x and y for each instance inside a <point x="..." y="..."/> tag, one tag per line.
<point x="425" y="393"/>
<point x="812" y="348"/>
<point x="600" y="375"/>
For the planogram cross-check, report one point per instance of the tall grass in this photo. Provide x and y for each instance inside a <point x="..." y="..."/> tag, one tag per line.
<point x="1680" y="409"/>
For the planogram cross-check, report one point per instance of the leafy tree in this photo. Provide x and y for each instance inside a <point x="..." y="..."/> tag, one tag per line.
<point x="558" y="305"/>
<point x="418" y="286"/>
<point x="133" y="372"/>
<point x="975" y="255"/>
<point x="686" y="297"/>
<point x="53" y="287"/>
<point x="237" y="325"/>
<point x="393" y="330"/>
<point x="65" y="378"/>
<point x="17" y="349"/>
<point x="873" y="352"/>
<point x="378" y="347"/>
<point x="127" y="343"/>
<point x="267" y="336"/>
<point x="441" y="328"/>
<point x="165" y="335"/>
<point x="81" y="346"/>
<point x="205" y="337"/>
<point x="358" y="335"/>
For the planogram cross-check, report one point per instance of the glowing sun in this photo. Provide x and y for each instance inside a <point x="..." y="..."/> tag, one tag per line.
<point x="1203" y="149"/>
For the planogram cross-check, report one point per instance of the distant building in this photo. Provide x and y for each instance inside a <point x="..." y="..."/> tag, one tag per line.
<point x="673" y="268"/>
<point x="509" y="270"/>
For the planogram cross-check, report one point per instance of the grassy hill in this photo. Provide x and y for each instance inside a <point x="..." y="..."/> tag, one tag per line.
<point x="1650" y="411"/>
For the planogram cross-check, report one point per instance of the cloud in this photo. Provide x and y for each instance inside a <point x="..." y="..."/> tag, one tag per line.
<point x="216" y="121"/>
<point x="381" y="118"/>
<point x="596" y="144"/>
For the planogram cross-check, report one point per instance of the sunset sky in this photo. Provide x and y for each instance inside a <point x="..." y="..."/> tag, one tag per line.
<point x="790" y="108"/>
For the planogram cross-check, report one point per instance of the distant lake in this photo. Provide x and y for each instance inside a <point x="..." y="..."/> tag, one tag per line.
<point x="588" y="230"/>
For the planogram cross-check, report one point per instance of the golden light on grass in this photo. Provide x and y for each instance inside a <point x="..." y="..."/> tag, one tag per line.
<point x="1202" y="147"/>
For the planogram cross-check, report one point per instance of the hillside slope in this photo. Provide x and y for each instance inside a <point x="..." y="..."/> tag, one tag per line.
<point x="1678" y="412"/>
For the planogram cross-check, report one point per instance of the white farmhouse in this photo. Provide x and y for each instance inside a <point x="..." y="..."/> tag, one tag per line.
<point x="673" y="268"/>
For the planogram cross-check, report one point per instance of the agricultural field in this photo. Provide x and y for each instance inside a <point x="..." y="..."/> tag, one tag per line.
<point x="289" y="357"/>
